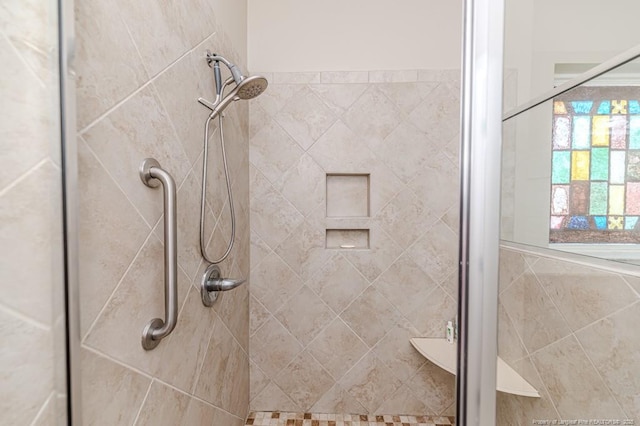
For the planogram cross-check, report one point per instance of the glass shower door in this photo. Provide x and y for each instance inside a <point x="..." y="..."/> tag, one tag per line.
<point x="32" y="317"/>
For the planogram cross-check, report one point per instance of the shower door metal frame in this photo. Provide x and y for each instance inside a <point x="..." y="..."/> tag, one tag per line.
<point x="480" y="164"/>
<point x="66" y="49"/>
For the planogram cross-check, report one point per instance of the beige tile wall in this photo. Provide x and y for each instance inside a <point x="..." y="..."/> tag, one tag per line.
<point x="330" y="328"/>
<point x="31" y="275"/>
<point x="571" y="331"/>
<point x="141" y="69"/>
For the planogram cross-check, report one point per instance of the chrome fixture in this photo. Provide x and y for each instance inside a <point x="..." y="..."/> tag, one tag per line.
<point x="152" y="175"/>
<point x="212" y="284"/>
<point x="246" y="88"/>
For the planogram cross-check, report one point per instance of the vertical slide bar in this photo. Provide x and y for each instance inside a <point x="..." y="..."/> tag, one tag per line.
<point x="481" y="134"/>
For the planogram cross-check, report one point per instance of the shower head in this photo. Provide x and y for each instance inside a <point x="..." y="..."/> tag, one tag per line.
<point x="245" y="87"/>
<point x="251" y="87"/>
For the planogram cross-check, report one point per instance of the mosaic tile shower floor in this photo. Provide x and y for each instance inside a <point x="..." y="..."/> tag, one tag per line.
<point x="268" y="418"/>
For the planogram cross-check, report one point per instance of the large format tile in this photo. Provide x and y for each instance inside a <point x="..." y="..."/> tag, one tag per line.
<point x="304" y="380"/>
<point x="304" y="185"/>
<point x="337" y="283"/>
<point x="305" y="315"/>
<point x="370" y="382"/>
<point x="395" y="350"/>
<point x="26" y="368"/>
<point x="355" y="155"/>
<point x="273" y="151"/>
<point x="163" y="31"/>
<point x="273" y="348"/>
<point x="111" y="394"/>
<point x="224" y="377"/>
<point x="407" y="151"/>
<point x="273" y="282"/>
<point x="193" y="330"/>
<point x="111" y="233"/>
<point x="26" y="124"/>
<point x="436" y="184"/>
<point x="304" y="250"/>
<point x="381" y="254"/>
<point x="138" y="299"/>
<point x="273" y="218"/>
<point x="163" y="406"/>
<point x="439" y="114"/>
<point x="436" y="252"/>
<point x="405" y="218"/>
<point x="371" y="316"/>
<point x="433" y="386"/>
<point x="373" y="116"/>
<point x="337" y="348"/>
<point x="338" y="97"/>
<point x="305" y="118"/>
<point x="117" y="73"/>
<point x="405" y="285"/>
<point x="585" y="294"/>
<point x="337" y="400"/>
<point x="574" y="385"/>
<point x="179" y="87"/>
<point x="30" y="230"/>
<point x="614" y="347"/>
<point x="534" y="316"/>
<point x="136" y="130"/>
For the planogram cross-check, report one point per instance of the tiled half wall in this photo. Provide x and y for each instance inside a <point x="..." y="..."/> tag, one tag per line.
<point x="330" y="327"/>
<point x="571" y="331"/>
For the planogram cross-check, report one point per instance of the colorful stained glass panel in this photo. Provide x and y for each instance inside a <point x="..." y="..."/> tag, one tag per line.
<point x="601" y="222"/>
<point x="562" y="133"/>
<point x="560" y="200"/>
<point x="582" y="107"/>
<point x="595" y="166"/>
<point x="580" y="165"/>
<point x="633" y="198"/>
<point x="598" y="198"/>
<point x="630" y="222"/>
<point x="605" y="107"/>
<point x="634" y="132"/>
<point x="618" y="132"/>
<point x="600" y="136"/>
<point x="633" y="165"/>
<point x="561" y="167"/>
<point x="616" y="199"/>
<point x="581" y="132"/>
<point x="617" y="167"/>
<point x="559" y="107"/>
<point x="599" y="164"/>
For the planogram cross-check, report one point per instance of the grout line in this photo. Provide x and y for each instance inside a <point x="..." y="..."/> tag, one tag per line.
<point x="24" y="62"/>
<point x="116" y="361"/>
<point x="24" y="176"/>
<point x="23" y="317"/>
<point x="149" y="82"/>
<point x="42" y="409"/>
<point x="117" y="286"/>
<point x="144" y="401"/>
<point x="114" y="181"/>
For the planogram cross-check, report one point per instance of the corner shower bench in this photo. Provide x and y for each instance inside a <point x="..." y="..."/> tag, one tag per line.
<point x="443" y="354"/>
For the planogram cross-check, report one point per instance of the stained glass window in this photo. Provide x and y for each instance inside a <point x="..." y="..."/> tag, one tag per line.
<point x="595" y="173"/>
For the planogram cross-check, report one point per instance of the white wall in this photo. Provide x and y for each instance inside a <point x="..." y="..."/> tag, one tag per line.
<point x="339" y="35"/>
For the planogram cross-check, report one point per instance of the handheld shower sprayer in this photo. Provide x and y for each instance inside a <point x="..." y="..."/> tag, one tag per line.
<point x="245" y="87"/>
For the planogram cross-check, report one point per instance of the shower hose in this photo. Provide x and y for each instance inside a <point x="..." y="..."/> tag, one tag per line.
<point x="203" y="198"/>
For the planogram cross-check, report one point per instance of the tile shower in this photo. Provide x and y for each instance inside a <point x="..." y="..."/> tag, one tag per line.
<point x="339" y="154"/>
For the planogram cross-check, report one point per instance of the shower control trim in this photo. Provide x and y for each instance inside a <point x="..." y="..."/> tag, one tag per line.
<point x="212" y="283"/>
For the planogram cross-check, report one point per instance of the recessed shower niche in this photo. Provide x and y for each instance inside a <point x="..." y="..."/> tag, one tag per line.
<point x="348" y="199"/>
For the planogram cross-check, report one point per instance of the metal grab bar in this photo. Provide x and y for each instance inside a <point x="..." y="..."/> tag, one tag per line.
<point x="152" y="175"/>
